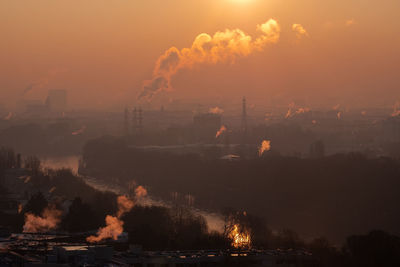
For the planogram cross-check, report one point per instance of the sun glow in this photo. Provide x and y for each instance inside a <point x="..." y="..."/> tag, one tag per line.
<point x="241" y="1"/>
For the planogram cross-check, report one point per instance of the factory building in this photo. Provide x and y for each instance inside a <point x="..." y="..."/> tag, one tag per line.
<point x="53" y="250"/>
<point x="205" y="126"/>
<point x="57" y="100"/>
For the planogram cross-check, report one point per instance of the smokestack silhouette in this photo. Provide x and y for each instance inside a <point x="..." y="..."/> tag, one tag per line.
<point x="244" y="120"/>
<point x="126" y="122"/>
<point x="134" y="121"/>
<point x="140" y="121"/>
<point x="137" y="121"/>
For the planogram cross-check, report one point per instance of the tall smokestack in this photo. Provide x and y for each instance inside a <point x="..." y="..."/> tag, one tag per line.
<point x="244" y="120"/>
<point x="134" y="121"/>
<point x="126" y="122"/>
<point x="140" y="121"/>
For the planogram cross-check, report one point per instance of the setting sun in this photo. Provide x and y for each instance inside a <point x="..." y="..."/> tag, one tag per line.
<point x="241" y="1"/>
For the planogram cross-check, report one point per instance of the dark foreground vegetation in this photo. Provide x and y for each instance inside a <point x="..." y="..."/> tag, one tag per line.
<point x="333" y="196"/>
<point x="171" y="228"/>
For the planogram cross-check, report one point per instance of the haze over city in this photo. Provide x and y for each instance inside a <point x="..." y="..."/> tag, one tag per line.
<point x="200" y="133"/>
<point x="102" y="51"/>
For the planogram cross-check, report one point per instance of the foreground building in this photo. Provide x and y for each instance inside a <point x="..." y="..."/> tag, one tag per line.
<point x="51" y="250"/>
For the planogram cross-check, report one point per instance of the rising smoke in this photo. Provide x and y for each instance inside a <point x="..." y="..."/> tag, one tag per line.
<point x="396" y="109"/>
<point x="265" y="146"/>
<point x="224" y="46"/>
<point x="220" y="131"/>
<point x="35" y="85"/>
<point x="215" y="110"/>
<point x="140" y="192"/>
<point x="300" y="31"/>
<point x="49" y="220"/>
<point x="79" y="131"/>
<point x="44" y="81"/>
<point x="114" y="225"/>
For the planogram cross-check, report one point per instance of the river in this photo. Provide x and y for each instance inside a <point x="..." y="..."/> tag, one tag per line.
<point x="215" y="221"/>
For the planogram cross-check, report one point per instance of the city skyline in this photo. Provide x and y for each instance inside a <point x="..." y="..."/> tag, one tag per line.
<point x="103" y="52"/>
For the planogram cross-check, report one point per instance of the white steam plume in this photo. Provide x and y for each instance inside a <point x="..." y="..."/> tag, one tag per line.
<point x="224" y="46"/>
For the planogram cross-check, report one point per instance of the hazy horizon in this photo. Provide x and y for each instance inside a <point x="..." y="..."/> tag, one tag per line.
<point x="102" y="52"/>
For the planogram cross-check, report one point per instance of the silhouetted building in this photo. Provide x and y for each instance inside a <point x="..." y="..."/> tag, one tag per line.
<point x="57" y="100"/>
<point x="35" y="107"/>
<point x="391" y="130"/>
<point x="137" y="121"/>
<point x="317" y="149"/>
<point x="140" y="121"/>
<point x="206" y="126"/>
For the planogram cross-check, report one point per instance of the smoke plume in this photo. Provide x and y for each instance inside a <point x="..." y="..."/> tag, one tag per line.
<point x="300" y="31"/>
<point x="20" y="207"/>
<point x="79" y="131"/>
<point x="220" y="131"/>
<point x="114" y="225"/>
<point x="140" y="192"/>
<point x="216" y="110"/>
<point x="44" y="81"/>
<point x="350" y="22"/>
<point x="396" y="109"/>
<point x="290" y="113"/>
<point x="49" y="220"/>
<point x="265" y="146"/>
<point x="9" y="116"/>
<point x="35" y="85"/>
<point x="113" y="229"/>
<point x="224" y="46"/>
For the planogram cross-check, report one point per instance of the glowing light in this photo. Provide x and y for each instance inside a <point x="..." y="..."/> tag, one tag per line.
<point x="49" y="220"/>
<point x="396" y="109"/>
<point x="220" y="131"/>
<point x="240" y="238"/>
<point x="224" y="46"/>
<point x="299" y="30"/>
<point x="241" y="1"/>
<point x="265" y="146"/>
<point x="216" y="110"/>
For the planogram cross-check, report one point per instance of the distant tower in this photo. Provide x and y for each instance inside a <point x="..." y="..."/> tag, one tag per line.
<point x="126" y="122"/>
<point x="140" y="121"/>
<point x="244" y="119"/>
<point x="134" y="121"/>
<point x="57" y="100"/>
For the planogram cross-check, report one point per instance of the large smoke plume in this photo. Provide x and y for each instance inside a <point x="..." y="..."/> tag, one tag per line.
<point x="224" y="46"/>
<point x="114" y="225"/>
<point x="49" y="220"/>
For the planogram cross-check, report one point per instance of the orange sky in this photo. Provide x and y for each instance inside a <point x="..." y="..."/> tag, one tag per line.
<point x="101" y="51"/>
